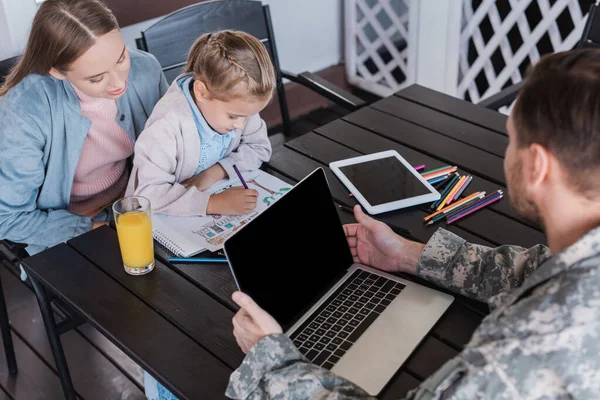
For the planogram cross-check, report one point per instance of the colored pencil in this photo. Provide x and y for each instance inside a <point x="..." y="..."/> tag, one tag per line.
<point x="475" y="208"/>
<point x="439" y="173"/>
<point x="447" y="209"/>
<point x="479" y="205"/>
<point x="462" y="189"/>
<point x="456" y="208"/>
<point x="443" y="183"/>
<point x="453" y="213"/>
<point x="459" y="185"/>
<point x="237" y="171"/>
<point x="346" y="208"/>
<point x="446" y="191"/>
<point x="451" y="192"/>
<point x="431" y="171"/>
<point x="197" y="260"/>
<point x="437" y="180"/>
<point x="419" y="167"/>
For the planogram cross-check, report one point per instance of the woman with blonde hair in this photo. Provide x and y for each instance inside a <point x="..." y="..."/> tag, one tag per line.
<point x="70" y="112"/>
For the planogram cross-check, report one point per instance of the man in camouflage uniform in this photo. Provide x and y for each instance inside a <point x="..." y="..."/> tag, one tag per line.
<point x="542" y="338"/>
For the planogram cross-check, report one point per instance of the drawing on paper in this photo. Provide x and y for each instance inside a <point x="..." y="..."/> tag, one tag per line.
<point x="215" y="232"/>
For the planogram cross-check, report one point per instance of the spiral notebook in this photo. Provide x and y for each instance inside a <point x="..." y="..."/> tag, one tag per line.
<point x="187" y="236"/>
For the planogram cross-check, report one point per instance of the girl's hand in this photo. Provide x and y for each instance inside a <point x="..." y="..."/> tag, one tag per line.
<point x="233" y="201"/>
<point x="206" y="178"/>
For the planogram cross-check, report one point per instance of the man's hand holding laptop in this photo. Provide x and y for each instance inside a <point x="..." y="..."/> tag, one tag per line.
<point x="371" y="242"/>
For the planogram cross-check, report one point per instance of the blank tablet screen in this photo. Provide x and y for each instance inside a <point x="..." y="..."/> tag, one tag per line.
<point x="384" y="180"/>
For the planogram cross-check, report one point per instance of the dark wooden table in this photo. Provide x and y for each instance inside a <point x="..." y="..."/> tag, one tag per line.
<point x="176" y="321"/>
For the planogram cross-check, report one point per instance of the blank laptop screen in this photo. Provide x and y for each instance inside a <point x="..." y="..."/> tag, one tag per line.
<point x="293" y="252"/>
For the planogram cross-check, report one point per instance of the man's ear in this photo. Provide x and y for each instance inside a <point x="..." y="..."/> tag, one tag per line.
<point x="56" y="74"/>
<point x="201" y="92"/>
<point x="539" y="167"/>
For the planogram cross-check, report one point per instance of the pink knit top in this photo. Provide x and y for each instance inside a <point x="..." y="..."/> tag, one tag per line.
<point x="101" y="174"/>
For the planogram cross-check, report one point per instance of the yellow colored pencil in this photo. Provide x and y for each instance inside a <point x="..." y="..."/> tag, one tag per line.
<point x="451" y="194"/>
<point x="453" y="206"/>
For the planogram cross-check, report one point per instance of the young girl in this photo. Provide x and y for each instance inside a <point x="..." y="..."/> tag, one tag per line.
<point x="206" y="123"/>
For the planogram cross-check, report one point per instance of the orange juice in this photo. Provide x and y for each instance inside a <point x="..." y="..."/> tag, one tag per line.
<point x="134" y="229"/>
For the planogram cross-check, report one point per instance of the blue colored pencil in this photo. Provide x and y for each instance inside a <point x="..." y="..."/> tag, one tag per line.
<point x="197" y="260"/>
<point x="436" y="180"/>
<point x="443" y="183"/>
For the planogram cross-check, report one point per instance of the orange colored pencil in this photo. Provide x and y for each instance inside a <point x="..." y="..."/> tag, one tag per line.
<point x="439" y="173"/>
<point x="453" y="206"/>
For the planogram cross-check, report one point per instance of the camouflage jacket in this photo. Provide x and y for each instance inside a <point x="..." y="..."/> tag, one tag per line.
<point x="541" y="340"/>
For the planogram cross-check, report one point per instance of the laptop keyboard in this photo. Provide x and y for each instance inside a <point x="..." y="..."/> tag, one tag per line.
<point x="344" y="317"/>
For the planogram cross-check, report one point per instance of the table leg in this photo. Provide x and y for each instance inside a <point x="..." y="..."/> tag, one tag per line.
<point x="54" y="338"/>
<point x="9" y="349"/>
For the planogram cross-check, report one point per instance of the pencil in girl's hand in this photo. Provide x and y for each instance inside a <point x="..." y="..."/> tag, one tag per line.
<point x="237" y="171"/>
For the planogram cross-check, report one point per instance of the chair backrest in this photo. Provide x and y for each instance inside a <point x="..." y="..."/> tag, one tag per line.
<point x="5" y="67"/>
<point x="170" y="39"/>
<point x="591" y="32"/>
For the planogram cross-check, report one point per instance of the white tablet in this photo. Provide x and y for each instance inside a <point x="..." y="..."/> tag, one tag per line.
<point x="384" y="182"/>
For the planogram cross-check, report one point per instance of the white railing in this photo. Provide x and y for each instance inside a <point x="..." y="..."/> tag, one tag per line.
<point x="467" y="51"/>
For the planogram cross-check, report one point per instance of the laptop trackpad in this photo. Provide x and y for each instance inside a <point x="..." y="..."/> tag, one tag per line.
<point x="384" y="347"/>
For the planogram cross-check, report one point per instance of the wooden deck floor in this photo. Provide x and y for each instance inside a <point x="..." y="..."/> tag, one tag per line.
<point x="99" y="370"/>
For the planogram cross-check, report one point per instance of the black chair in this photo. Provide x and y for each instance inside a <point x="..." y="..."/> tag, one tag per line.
<point x="6" y="65"/>
<point x="10" y="252"/>
<point x="590" y="37"/>
<point x="170" y="39"/>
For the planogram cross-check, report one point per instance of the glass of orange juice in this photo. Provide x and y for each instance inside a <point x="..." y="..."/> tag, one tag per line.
<point x="133" y="219"/>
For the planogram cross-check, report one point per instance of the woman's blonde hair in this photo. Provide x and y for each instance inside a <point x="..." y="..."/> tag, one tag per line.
<point x="62" y="30"/>
<point x="232" y="64"/>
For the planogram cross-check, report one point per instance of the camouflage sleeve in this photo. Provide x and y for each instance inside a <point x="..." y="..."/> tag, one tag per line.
<point x="274" y="368"/>
<point x="477" y="271"/>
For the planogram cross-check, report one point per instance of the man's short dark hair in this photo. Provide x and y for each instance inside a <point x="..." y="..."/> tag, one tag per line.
<point x="558" y="107"/>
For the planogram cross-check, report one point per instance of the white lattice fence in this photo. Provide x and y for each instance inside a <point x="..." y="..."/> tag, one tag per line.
<point x="470" y="49"/>
<point x="379" y="55"/>
<point x="515" y="38"/>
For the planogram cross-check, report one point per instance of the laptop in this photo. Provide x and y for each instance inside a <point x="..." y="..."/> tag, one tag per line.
<point x="294" y="261"/>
